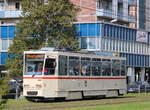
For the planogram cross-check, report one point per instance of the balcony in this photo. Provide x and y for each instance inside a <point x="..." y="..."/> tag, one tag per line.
<point x="10" y="14"/>
<point x="128" y="18"/>
<point x="120" y="16"/>
<point x="132" y="18"/>
<point x="120" y="1"/>
<point x="104" y="13"/>
<point x="132" y="2"/>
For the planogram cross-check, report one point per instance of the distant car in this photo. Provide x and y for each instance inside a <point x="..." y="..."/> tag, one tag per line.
<point x="139" y="87"/>
<point x="15" y="86"/>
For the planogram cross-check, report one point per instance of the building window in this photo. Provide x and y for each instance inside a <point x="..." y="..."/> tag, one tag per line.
<point x="17" y="6"/>
<point x="120" y="7"/>
<point x="92" y="43"/>
<point x="104" y="4"/>
<point x="4" y="44"/>
<point x="83" y="43"/>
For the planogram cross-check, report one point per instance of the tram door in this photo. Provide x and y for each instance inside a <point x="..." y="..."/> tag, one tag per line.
<point x="50" y="65"/>
<point x="49" y="84"/>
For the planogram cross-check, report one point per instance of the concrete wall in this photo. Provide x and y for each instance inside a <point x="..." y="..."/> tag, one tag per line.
<point x="147" y="15"/>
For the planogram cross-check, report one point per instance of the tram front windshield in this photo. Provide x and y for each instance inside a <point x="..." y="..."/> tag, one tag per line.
<point x="34" y="64"/>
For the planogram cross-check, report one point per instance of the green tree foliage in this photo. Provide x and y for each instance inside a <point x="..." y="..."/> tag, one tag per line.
<point x="43" y="24"/>
<point x="3" y="90"/>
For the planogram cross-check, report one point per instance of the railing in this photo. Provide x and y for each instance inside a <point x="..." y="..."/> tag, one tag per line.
<point x="10" y="14"/>
<point x="110" y="14"/>
<point x="127" y="18"/>
<point x="132" y="2"/>
<point x="104" y="12"/>
<point x="131" y="18"/>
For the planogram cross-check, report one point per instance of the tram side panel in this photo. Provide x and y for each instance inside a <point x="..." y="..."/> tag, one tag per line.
<point x="50" y="88"/>
<point x="92" y="87"/>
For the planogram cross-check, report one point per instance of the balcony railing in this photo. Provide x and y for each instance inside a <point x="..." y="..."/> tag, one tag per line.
<point x="127" y="18"/>
<point x="104" y="13"/>
<point x="132" y="2"/>
<point x="132" y="18"/>
<point x="10" y="14"/>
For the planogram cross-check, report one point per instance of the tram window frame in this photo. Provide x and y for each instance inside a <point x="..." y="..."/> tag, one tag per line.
<point x="85" y="67"/>
<point x="105" y="69"/>
<point x="63" y="65"/>
<point x="74" y="66"/>
<point x="50" y="66"/>
<point x="116" y="68"/>
<point x="96" y="67"/>
<point x="123" y="71"/>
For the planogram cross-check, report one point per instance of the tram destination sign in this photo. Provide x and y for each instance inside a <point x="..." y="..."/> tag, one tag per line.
<point x="34" y="56"/>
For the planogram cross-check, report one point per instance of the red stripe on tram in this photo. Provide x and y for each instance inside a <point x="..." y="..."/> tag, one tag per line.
<point x="73" y="78"/>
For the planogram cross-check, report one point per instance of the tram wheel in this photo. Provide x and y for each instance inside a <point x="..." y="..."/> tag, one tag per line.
<point x="59" y="99"/>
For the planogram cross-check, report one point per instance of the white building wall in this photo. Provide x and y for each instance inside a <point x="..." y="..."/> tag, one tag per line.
<point x="125" y="9"/>
<point x="115" y="8"/>
<point x="147" y="15"/>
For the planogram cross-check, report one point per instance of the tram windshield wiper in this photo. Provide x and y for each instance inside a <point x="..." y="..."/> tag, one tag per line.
<point x="33" y="75"/>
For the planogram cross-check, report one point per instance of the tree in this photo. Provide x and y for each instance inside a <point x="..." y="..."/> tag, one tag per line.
<point x="3" y="91"/>
<point x="42" y="24"/>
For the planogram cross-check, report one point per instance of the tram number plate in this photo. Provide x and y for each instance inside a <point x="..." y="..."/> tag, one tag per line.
<point x="32" y="92"/>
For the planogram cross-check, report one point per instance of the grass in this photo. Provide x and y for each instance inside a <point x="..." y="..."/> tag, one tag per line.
<point x="131" y="106"/>
<point x="128" y="102"/>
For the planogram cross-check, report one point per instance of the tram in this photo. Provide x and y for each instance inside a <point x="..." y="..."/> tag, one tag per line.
<point x="50" y="74"/>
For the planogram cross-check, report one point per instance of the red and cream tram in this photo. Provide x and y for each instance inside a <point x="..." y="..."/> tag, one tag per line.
<point x="56" y="74"/>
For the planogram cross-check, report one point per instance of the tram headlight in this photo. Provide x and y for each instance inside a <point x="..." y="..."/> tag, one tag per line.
<point x="38" y="86"/>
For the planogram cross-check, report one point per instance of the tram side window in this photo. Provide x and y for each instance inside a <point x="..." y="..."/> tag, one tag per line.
<point x="106" y="67"/>
<point x="50" y="65"/>
<point x="116" y="66"/>
<point x="74" y="64"/>
<point x="63" y="65"/>
<point x="96" y="67"/>
<point x="85" y="66"/>
<point x="123" y="68"/>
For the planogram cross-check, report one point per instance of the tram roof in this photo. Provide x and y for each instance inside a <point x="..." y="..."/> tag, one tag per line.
<point x="70" y="53"/>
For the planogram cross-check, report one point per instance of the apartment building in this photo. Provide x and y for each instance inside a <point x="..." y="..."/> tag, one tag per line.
<point x="108" y="26"/>
<point x="10" y="12"/>
<point x="115" y="11"/>
<point x="147" y="14"/>
<point x="111" y="39"/>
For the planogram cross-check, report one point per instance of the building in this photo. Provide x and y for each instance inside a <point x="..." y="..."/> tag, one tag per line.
<point x="117" y="11"/>
<point x="113" y="27"/>
<point x="10" y="12"/>
<point x="115" y="37"/>
<point x="147" y="13"/>
<point x="111" y="39"/>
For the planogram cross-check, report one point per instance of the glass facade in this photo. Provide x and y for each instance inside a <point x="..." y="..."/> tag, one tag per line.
<point x="97" y="37"/>
<point x="6" y="36"/>
<point x="117" y="39"/>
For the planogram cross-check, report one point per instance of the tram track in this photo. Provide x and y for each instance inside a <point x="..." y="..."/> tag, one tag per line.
<point x="81" y="103"/>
